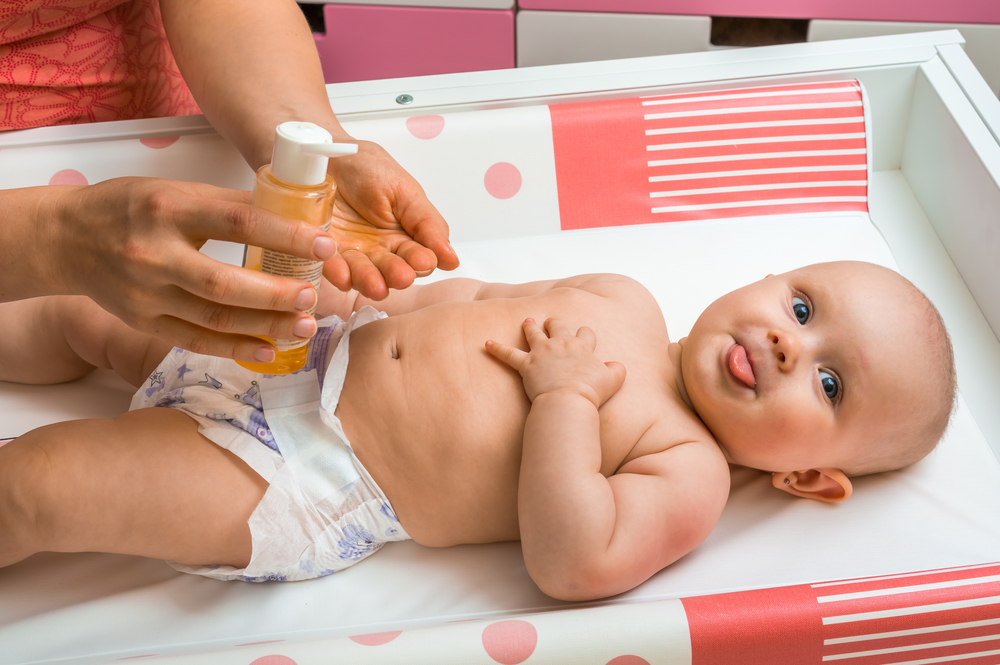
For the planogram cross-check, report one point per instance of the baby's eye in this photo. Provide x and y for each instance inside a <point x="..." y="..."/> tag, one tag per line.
<point x="830" y="385"/>
<point x="800" y="309"/>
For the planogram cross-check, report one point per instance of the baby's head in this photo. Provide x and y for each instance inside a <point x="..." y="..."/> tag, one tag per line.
<point x="826" y="372"/>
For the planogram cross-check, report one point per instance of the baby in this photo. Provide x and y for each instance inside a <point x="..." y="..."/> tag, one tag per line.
<point x="558" y="413"/>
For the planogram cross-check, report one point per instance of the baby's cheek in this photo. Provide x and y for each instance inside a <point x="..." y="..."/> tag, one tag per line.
<point x="796" y="428"/>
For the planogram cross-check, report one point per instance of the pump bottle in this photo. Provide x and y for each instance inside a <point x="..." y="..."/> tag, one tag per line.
<point x="295" y="184"/>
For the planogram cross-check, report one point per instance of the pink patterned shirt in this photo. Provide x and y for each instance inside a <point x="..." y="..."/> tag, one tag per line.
<point x="72" y="61"/>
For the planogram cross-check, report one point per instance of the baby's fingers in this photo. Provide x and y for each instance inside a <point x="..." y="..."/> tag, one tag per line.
<point x="508" y="354"/>
<point x="556" y="328"/>
<point x="533" y="333"/>
<point x="588" y="336"/>
<point x="610" y="383"/>
<point x="617" y="375"/>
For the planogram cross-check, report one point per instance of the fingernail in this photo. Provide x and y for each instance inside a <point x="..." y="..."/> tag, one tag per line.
<point x="304" y="328"/>
<point x="264" y="354"/>
<point x="324" y="247"/>
<point x="305" y="299"/>
<point x="529" y="320"/>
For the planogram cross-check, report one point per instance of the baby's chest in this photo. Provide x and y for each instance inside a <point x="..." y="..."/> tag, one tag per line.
<point x="630" y="419"/>
<point x="642" y="420"/>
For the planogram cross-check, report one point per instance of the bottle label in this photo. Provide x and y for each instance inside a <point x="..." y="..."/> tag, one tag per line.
<point x="286" y="265"/>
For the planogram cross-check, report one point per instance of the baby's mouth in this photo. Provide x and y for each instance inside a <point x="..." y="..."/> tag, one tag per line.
<point x="740" y="366"/>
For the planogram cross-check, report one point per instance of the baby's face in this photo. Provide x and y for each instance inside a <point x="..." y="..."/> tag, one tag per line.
<point x="803" y="370"/>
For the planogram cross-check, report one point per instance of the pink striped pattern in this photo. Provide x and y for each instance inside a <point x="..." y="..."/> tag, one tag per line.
<point x="941" y="616"/>
<point x="757" y="151"/>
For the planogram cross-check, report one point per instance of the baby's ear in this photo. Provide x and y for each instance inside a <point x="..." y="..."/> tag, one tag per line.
<point x="830" y="485"/>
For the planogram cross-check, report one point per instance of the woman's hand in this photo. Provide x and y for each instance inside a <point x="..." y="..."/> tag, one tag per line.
<point x="131" y="244"/>
<point x="387" y="231"/>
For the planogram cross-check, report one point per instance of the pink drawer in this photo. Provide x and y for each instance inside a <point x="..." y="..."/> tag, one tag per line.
<point x="371" y="42"/>
<point x="953" y="11"/>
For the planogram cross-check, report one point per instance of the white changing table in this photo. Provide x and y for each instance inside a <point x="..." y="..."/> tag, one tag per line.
<point x="934" y="197"/>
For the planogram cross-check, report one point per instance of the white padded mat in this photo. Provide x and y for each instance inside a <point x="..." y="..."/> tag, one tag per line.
<point x="940" y="512"/>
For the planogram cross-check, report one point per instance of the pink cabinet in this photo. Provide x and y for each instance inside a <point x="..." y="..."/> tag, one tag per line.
<point x="376" y="42"/>
<point x="953" y="11"/>
<point x="397" y="38"/>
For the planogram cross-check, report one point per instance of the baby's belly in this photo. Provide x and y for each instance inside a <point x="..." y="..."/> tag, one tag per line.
<point x="438" y="423"/>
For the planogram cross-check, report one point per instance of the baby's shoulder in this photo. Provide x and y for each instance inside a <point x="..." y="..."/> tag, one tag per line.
<point x="612" y="285"/>
<point x="619" y="291"/>
<point x="678" y="445"/>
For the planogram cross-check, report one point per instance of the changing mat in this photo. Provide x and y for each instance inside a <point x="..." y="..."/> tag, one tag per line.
<point x="693" y="195"/>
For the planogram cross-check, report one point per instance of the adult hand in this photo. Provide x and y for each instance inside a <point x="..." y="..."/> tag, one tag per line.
<point x="131" y="244"/>
<point x="387" y="232"/>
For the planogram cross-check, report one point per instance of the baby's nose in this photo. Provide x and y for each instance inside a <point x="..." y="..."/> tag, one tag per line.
<point x="786" y="348"/>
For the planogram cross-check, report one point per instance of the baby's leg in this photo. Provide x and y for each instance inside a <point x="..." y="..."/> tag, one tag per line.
<point x="145" y="483"/>
<point x="61" y="338"/>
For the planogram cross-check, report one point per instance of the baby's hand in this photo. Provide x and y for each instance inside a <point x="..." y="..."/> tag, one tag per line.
<point x="561" y="361"/>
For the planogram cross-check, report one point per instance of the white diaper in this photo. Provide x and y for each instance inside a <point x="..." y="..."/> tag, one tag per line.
<point x="322" y="510"/>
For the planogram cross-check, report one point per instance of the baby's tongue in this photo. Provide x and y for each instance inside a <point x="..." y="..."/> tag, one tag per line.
<point x="740" y="366"/>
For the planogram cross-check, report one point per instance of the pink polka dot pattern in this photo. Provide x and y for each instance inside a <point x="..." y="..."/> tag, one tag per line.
<point x="502" y="180"/>
<point x="376" y="639"/>
<point x="274" y="659"/>
<point x="628" y="660"/>
<point x="510" y="642"/>
<point x="68" y="177"/>
<point x="159" y="142"/>
<point x="425" y="126"/>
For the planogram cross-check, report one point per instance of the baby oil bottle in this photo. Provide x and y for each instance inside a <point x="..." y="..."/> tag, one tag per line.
<point x="295" y="184"/>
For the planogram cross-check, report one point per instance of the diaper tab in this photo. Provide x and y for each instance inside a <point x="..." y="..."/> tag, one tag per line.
<point x="309" y="435"/>
<point x="317" y="456"/>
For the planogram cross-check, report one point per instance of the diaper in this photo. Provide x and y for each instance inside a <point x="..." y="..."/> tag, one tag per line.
<point x="322" y="511"/>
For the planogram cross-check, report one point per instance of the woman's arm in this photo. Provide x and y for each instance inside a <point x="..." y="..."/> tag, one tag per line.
<point x="27" y="240"/>
<point x="251" y="65"/>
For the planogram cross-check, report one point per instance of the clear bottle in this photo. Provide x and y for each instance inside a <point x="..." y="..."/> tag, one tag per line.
<point x="295" y="184"/>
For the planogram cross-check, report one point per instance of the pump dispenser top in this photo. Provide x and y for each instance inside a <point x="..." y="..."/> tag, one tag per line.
<point x="301" y="152"/>
<point x="295" y="185"/>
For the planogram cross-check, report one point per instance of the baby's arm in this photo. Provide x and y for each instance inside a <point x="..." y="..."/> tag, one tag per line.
<point x="418" y="296"/>
<point x="583" y="535"/>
